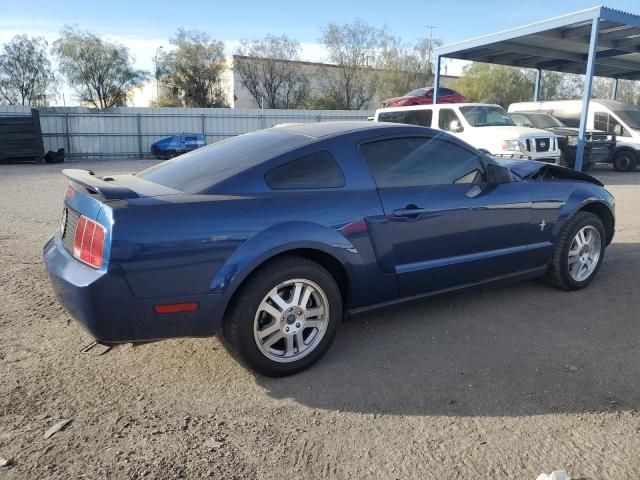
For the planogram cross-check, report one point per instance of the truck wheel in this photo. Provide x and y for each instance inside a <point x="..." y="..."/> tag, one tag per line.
<point x="283" y="319"/>
<point x="578" y="253"/>
<point x="624" y="161"/>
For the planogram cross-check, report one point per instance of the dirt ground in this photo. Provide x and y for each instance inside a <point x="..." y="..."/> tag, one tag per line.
<point x="502" y="383"/>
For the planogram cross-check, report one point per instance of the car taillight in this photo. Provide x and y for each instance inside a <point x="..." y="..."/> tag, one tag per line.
<point x="88" y="242"/>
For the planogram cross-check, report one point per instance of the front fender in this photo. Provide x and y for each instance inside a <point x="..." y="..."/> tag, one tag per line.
<point x="577" y="201"/>
<point x="276" y="240"/>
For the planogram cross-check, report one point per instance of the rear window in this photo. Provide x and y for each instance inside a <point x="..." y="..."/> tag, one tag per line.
<point x="318" y="170"/>
<point x="411" y="117"/>
<point x="197" y="171"/>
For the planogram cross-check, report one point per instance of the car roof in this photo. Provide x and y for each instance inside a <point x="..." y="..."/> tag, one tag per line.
<point x="327" y="129"/>
<point x="437" y="105"/>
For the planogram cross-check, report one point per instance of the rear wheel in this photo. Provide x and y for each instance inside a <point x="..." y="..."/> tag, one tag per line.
<point x="285" y="317"/>
<point x="579" y="252"/>
<point x="624" y="161"/>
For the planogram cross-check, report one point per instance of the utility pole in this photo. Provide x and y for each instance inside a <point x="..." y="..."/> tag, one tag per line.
<point x="430" y="50"/>
<point x="157" y="79"/>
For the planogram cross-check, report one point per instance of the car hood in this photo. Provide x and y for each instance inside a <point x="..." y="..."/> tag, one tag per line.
<point x="525" y="169"/>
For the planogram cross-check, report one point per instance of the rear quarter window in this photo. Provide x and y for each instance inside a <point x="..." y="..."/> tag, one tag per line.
<point x="317" y="170"/>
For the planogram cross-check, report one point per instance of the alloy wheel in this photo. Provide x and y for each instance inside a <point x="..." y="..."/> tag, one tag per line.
<point x="291" y="320"/>
<point x="584" y="253"/>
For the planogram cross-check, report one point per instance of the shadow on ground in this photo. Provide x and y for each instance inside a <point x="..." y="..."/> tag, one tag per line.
<point x="607" y="175"/>
<point x="520" y="350"/>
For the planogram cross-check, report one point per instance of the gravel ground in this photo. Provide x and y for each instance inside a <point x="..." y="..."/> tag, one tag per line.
<point x="502" y="383"/>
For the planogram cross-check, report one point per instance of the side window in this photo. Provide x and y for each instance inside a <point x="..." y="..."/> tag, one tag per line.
<point x="420" y="161"/>
<point x="447" y="115"/>
<point x="318" y="170"/>
<point x="445" y="92"/>
<point x="421" y="117"/>
<point x="606" y="122"/>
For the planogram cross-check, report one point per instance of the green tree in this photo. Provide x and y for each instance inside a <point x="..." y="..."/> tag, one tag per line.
<point x="271" y="73"/>
<point x="195" y="69"/>
<point x="353" y="48"/>
<point x="403" y="67"/>
<point x="26" y="76"/>
<point x="486" y="83"/>
<point x="101" y="72"/>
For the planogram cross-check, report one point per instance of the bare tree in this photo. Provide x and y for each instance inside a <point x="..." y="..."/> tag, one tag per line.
<point x="194" y="69"/>
<point x="353" y="47"/>
<point x="26" y="76"/>
<point x="270" y="72"/>
<point x="101" y="72"/>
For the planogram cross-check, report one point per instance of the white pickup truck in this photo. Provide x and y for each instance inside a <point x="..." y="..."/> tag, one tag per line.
<point x="488" y="128"/>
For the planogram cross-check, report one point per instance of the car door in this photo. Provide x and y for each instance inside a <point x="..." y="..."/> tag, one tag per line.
<point x="446" y="225"/>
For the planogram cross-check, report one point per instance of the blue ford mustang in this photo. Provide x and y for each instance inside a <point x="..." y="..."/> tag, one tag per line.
<point x="274" y="237"/>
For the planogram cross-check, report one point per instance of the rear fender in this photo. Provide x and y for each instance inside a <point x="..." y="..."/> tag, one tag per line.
<point x="276" y="240"/>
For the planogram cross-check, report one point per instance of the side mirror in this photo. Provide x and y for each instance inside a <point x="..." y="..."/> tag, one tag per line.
<point x="497" y="174"/>
<point x="617" y="130"/>
<point x="455" y="126"/>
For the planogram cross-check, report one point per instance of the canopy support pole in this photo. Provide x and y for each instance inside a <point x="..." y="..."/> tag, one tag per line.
<point x="614" y="89"/>
<point x="586" y="95"/>
<point x="536" y="90"/>
<point x="436" y="80"/>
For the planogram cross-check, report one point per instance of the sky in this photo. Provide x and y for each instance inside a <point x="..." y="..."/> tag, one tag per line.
<point x="144" y="26"/>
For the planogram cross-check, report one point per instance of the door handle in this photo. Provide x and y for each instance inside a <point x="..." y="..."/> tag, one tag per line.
<point x="410" y="211"/>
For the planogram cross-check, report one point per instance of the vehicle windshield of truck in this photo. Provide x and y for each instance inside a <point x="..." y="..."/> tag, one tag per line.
<point x="487" y="116"/>
<point x="630" y="116"/>
<point x="542" y="120"/>
<point x="417" y="92"/>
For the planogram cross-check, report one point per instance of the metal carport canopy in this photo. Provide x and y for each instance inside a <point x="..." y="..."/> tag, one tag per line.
<point x="599" y="41"/>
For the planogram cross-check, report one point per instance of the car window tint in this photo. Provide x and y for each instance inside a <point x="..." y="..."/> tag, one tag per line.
<point x="419" y="161"/>
<point x="447" y="115"/>
<point x="318" y="170"/>
<point x="412" y="117"/>
<point x="445" y="92"/>
<point x="203" y="168"/>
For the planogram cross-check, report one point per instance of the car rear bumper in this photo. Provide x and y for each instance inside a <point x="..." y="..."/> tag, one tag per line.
<point x="103" y="303"/>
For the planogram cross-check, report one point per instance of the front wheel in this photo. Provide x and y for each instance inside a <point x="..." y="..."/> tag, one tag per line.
<point x="285" y="316"/>
<point x="578" y="252"/>
<point x="624" y="161"/>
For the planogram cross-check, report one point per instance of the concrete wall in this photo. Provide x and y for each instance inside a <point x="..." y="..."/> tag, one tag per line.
<point x="130" y="131"/>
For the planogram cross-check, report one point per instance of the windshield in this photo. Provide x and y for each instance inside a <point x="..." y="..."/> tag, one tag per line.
<point x="417" y="92"/>
<point x="487" y="116"/>
<point x="630" y="117"/>
<point x="542" y="120"/>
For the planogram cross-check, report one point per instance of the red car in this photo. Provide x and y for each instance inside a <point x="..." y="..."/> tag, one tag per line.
<point x="424" y="96"/>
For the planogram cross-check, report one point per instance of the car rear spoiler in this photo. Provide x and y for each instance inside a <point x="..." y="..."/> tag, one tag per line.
<point x="100" y="186"/>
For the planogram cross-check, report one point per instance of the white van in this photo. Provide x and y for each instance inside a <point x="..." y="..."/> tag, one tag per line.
<point x="616" y="118"/>
<point x="489" y="128"/>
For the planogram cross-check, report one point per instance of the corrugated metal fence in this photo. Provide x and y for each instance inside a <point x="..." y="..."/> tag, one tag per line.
<point x="130" y="131"/>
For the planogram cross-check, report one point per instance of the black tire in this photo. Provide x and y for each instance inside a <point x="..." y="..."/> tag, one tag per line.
<point x="171" y="154"/>
<point x="558" y="274"/>
<point x="624" y="161"/>
<point x="238" y="324"/>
